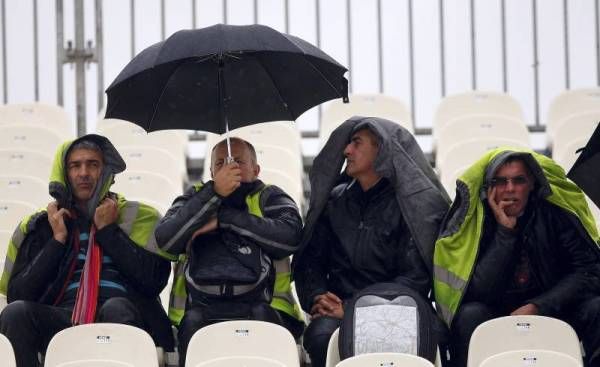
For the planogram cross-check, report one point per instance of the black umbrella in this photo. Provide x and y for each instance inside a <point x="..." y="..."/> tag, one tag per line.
<point x="586" y="170"/>
<point x="224" y="77"/>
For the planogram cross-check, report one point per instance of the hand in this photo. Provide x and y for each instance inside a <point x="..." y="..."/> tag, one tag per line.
<point x="528" y="309"/>
<point x="212" y="225"/>
<point x="56" y="218"/>
<point x="327" y="304"/>
<point x="106" y="213"/>
<point x="227" y="179"/>
<point x="502" y="218"/>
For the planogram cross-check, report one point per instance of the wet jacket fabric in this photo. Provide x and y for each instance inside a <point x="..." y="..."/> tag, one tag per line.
<point x="475" y="258"/>
<point x="260" y="213"/>
<point x="36" y="266"/>
<point x="352" y="238"/>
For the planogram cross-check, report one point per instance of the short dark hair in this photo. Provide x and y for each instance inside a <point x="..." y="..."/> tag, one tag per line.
<point x="87" y="145"/>
<point x="239" y="140"/>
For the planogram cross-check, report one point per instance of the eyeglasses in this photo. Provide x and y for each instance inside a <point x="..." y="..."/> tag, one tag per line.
<point x="503" y="181"/>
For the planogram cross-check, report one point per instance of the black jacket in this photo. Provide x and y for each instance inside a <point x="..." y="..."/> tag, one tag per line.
<point x="564" y="262"/>
<point x="41" y="268"/>
<point x="361" y="239"/>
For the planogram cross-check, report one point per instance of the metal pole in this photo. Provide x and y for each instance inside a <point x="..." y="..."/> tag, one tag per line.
<point x="224" y="11"/>
<point x="4" y="66"/>
<point x="473" y="46"/>
<point x="504" y="63"/>
<point x="442" y="48"/>
<point x="566" y="43"/>
<point x="379" y="46"/>
<point x="255" y="11"/>
<point x="349" y="39"/>
<point x="536" y="77"/>
<point x="99" y="54"/>
<point x="411" y="63"/>
<point x="80" y="67"/>
<point x="194" y="22"/>
<point x="163" y="25"/>
<point x="132" y="28"/>
<point x="60" y="51"/>
<point x="286" y="15"/>
<point x="36" y="67"/>
<point x="597" y="11"/>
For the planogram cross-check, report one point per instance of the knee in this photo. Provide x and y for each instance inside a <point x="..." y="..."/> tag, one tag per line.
<point x="469" y="316"/>
<point x="264" y="312"/>
<point x="15" y="313"/>
<point x="318" y="332"/>
<point x="119" y="310"/>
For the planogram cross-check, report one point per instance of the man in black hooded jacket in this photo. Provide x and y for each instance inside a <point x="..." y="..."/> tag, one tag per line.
<point x="362" y="236"/>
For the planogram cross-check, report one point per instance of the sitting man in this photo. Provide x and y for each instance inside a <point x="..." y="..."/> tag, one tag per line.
<point x="232" y="235"/>
<point x="90" y="257"/>
<point x="378" y="224"/>
<point x="519" y="240"/>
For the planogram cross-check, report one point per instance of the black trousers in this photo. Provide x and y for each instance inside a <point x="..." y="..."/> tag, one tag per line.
<point x="29" y="326"/>
<point x="316" y="338"/>
<point x="197" y="317"/>
<point x="585" y="319"/>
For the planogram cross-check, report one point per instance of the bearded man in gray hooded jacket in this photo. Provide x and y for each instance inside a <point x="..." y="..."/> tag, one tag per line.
<point x="375" y="223"/>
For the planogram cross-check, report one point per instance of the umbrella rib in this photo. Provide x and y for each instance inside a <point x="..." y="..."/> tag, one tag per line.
<point x="276" y="88"/>
<point x="322" y="76"/>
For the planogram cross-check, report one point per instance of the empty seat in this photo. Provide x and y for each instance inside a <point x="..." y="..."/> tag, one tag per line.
<point x="568" y="103"/>
<point x="6" y="351"/>
<point x="291" y="186"/>
<point x="522" y="332"/>
<point x="157" y="160"/>
<point x="25" y="162"/>
<point x="148" y="187"/>
<point x="242" y="361"/>
<point x="537" y="358"/>
<point x="242" y="338"/>
<point x="12" y="212"/>
<point x="475" y="103"/>
<point x="103" y="344"/>
<point x="38" y="138"/>
<point x="480" y="126"/>
<point x="577" y="127"/>
<point x="368" y="105"/>
<point x="27" y="189"/>
<point x="52" y="117"/>
<point x="385" y="359"/>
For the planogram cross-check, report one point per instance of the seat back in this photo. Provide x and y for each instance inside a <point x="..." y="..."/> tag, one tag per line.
<point x="30" y="190"/>
<point x="333" y="351"/>
<point x="148" y="187"/>
<point x="39" y="138"/>
<point x="522" y="332"/>
<point x="538" y="358"/>
<point x="7" y="352"/>
<point x="242" y="338"/>
<point x="385" y="359"/>
<point x="25" y="162"/>
<point x="367" y="105"/>
<point x="52" y="117"/>
<point x="245" y="361"/>
<point x="568" y="103"/>
<point x="103" y="344"/>
<point x="156" y="160"/>
<point x="577" y="127"/>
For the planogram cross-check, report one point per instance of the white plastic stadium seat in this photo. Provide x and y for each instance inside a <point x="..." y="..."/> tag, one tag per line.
<point x="102" y="344"/>
<point x="568" y="103"/>
<point x="291" y="186"/>
<point x="242" y="338"/>
<point x="577" y="127"/>
<point x="284" y="134"/>
<point x="367" y="105"/>
<point x="522" y="332"/>
<point x="12" y="212"/>
<point x="27" y="189"/>
<point x="25" y="162"/>
<point x="7" y="352"/>
<point x="527" y="358"/>
<point x="38" y="138"/>
<point x="333" y="352"/>
<point x="242" y="361"/>
<point x="157" y="160"/>
<point x="148" y="187"/>
<point x="52" y="117"/>
<point x="480" y="126"/>
<point x="385" y="359"/>
<point x="475" y="103"/>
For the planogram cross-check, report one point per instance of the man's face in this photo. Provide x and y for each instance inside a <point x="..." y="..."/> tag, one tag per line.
<point x="242" y="156"/>
<point x="360" y="154"/>
<point x="84" y="167"/>
<point x="513" y="183"/>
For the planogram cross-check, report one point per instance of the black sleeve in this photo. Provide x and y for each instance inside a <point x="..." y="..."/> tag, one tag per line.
<point x="188" y="213"/>
<point x="277" y="232"/>
<point x="311" y="265"/>
<point x="147" y="272"/>
<point x="581" y="260"/>
<point x="496" y="262"/>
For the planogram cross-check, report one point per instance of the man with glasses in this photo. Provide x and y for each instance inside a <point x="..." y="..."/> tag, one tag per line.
<point x="519" y="240"/>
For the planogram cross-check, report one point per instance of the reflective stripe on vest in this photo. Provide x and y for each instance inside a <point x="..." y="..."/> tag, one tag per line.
<point x="283" y="299"/>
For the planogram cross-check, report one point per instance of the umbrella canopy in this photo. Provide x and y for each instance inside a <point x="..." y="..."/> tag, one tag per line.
<point x="223" y="77"/>
<point x="586" y="170"/>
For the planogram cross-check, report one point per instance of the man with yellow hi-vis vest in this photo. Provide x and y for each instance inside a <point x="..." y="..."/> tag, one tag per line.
<point x="233" y="236"/>
<point x="519" y="240"/>
<point x="91" y="256"/>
